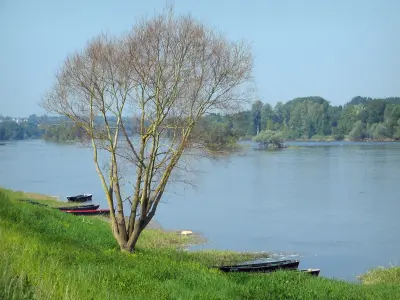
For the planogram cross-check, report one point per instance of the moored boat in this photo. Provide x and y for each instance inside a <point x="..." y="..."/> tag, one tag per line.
<point x="89" y="212"/>
<point x="32" y="202"/>
<point x="80" y="198"/>
<point x="314" y="272"/>
<point x="262" y="267"/>
<point x="79" y="207"/>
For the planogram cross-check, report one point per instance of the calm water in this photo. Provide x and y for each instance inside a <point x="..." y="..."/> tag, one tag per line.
<point x="333" y="205"/>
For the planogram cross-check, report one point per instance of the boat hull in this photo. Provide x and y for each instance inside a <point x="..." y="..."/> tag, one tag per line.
<point x="80" y="207"/>
<point x="32" y="202"/>
<point x="87" y="212"/>
<point x="314" y="272"/>
<point x="80" y="198"/>
<point x="262" y="267"/>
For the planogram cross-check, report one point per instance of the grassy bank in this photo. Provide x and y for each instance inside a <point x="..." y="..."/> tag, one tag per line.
<point x="381" y="276"/>
<point x="47" y="254"/>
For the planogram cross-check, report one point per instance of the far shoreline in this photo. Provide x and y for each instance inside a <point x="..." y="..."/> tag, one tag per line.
<point x="318" y="139"/>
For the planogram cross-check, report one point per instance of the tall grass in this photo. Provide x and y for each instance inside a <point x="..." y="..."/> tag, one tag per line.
<point x="47" y="254"/>
<point x="14" y="287"/>
<point x="381" y="275"/>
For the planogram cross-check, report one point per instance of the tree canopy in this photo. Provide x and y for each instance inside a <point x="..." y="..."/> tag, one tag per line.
<point x="307" y="117"/>
<point x="164" y="76"/>
<point x="268" y="137"/>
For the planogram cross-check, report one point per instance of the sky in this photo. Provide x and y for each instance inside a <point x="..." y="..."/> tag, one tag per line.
<point x="336" y="49"/>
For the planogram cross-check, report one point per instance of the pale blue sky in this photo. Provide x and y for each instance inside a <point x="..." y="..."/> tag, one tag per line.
<point x="336" y="49"/>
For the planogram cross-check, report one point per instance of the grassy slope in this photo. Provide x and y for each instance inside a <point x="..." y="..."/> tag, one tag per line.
<point x="382" y="275"/>
<point x="47" y="254"/>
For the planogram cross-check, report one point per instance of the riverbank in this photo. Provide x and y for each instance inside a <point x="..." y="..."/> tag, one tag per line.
<point x="329" y="138"/>
<point x="48" y="254"/>
<point x="344" y="139"/>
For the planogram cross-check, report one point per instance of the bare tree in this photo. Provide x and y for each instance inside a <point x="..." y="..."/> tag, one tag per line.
<point x="163" y="76"/>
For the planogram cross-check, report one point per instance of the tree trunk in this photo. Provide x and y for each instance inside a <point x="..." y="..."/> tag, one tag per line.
<point x="131" y="245"/>
<point x="122" y="244"/>
<point x="134" y="236"/>
<point x="126" y="248"/>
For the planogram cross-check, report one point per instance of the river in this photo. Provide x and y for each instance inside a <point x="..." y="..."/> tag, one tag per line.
<point x="333" y="206"/>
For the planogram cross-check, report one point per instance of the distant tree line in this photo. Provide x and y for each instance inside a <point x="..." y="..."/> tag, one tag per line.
<point x="315" y="118"/>
<point x="52" y="128"/>
<point x="362" y="118"/>
<point x="19" y="129"/>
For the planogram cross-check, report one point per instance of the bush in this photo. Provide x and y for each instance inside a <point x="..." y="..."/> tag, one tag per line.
<point x="357" y="133"/>
<point x="269" y="137"/>
<point x="378" y="131"/>
<point x="338" y="137"/>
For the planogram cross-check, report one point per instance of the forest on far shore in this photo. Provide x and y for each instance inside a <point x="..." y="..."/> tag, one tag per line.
<point x="310" y="118"/>
<point x="362" y="118"/>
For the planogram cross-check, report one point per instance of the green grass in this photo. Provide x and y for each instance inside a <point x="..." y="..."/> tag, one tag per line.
<point x="14" y="287"/>
<point x="382" y="276"/>
<point x="47" y="254"/>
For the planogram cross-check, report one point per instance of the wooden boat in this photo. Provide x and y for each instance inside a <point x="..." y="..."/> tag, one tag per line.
<point x="89" y="212"/>
<point x="32" y="202"/>
<point x="262" y="267"/>
<point x="314" y="272"/>
<point x="80" y="198"/>
<point x="80" y="207"/>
